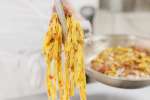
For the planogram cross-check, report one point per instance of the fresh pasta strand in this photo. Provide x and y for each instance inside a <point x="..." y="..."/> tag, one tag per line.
<point x="72" y="75"/>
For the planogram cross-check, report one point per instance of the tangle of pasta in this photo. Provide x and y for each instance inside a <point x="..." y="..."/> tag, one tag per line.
<point x="72" y="75"/>
<point x="128" y="62"/>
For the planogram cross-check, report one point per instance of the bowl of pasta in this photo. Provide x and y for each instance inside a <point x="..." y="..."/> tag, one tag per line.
<point x="119" y="60"/>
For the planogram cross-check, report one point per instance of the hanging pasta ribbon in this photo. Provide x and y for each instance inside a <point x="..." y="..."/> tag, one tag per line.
<point x="72" y="75"/>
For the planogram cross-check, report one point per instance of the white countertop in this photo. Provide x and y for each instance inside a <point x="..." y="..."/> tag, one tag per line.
<point x="98" y="91"/>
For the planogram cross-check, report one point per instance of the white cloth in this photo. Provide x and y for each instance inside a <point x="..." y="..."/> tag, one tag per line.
<point x="22" y="27"/>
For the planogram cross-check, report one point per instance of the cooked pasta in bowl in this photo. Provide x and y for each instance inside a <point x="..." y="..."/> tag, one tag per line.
<point x="128" y="62"/>
<point x="118" y="60"/>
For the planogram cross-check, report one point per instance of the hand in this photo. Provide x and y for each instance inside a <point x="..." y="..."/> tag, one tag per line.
<point x="84" y="23"/>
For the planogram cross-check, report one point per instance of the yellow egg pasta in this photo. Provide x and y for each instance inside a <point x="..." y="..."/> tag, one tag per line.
<point x="70" y="75"/>
<point x="128" y="62"/>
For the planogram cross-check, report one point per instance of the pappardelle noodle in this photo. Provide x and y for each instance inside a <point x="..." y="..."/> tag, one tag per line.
<point x="72" y="74"/>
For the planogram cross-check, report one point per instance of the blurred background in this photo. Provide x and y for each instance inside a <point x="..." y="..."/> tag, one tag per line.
<point x="24" y="22"/>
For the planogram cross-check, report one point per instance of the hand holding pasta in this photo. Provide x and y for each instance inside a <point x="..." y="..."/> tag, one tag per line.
<point x="71" y="75"/>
